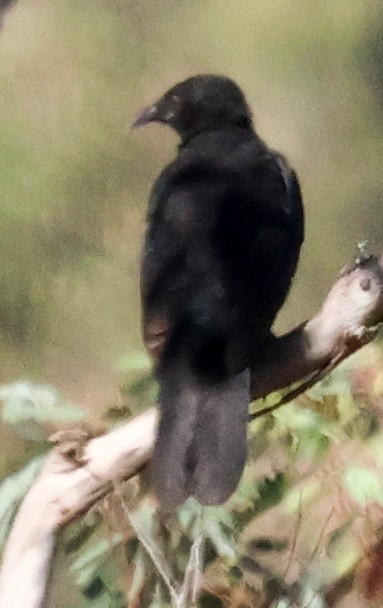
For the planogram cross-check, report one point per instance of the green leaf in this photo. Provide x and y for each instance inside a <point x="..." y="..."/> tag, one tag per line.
<point x="311" y="444"/>
<point x="215" y="523"/>
<point x="158" y="599"/>
<point x="312" y="598"/>
<point x="266" y="544"/>
<point x="283" y="603"/>
<point x="89" y="560"/>
<point x="364" y="486"/>
<point x="29" y="408"/>
<point x="300" y="495"/>
<point x="218" y="525"/>
<point x="297" y="418"/>
<point x="143" y="518"/>
<point x="79" y="534"/>
<point x="271" y="491"/>
<point x="188" y="513"/>
<point x="139" y="360"/>
<point x="12" y="491"/>
<point x="138" y="579"/>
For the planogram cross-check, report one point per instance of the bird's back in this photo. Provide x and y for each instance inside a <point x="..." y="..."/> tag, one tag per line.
<point x="232" y="238"/>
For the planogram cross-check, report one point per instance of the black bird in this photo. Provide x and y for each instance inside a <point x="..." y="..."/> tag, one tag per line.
<point x="225" y="226"/>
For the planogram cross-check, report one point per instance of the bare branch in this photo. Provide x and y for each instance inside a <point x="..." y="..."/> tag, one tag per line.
<point x="346" y="321"/>
<point x="62" y="491"/>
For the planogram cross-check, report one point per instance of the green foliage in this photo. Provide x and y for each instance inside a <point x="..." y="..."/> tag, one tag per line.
<point x="238" y="546"/>
<point x="31" y="409"/>
<point x="364" y="486"/>
<point x="139" y="360"/>
<point x="124" y="552"/>
<point x="86" y="566"/>
<point x="271" y="492"/>
<point x="12" y="491"/>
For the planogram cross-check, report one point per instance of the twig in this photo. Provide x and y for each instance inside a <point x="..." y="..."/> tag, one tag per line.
<point x="191" y="584"/>
<point x="153" y="550"/>
<point x="295" y="537"/>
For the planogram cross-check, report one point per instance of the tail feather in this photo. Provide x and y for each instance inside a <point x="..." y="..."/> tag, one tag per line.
<point x="201" y="445"/>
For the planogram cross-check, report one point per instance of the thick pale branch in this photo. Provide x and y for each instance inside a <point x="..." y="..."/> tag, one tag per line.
<point x="65" y="489"/>
<point x="345" y="322"/>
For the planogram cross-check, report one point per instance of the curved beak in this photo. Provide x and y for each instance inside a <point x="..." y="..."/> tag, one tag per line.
<point x="146" y="115"/>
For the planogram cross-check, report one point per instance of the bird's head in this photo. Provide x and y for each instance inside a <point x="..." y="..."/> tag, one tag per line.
<point x="197" y="104"/>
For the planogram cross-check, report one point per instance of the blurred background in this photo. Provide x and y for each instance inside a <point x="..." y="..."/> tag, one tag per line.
<point x="75" y="179"/>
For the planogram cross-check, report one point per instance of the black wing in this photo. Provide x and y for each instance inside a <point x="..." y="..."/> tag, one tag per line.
<point x="294" y="204"/>
<point x="180" y="270"/>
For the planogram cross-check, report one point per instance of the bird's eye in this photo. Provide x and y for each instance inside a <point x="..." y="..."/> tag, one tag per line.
<point x="176" y="100"/>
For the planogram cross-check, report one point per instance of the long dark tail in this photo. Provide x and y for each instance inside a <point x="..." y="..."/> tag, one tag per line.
<point x="201" y="444"/>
